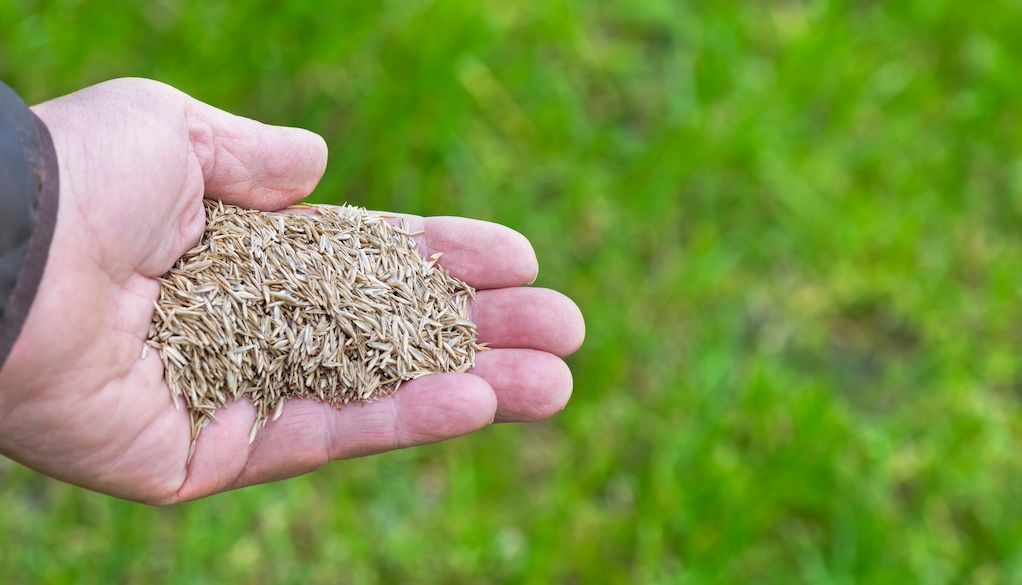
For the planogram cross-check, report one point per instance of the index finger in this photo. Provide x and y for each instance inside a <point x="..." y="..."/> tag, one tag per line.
<point x="484" y="254"/>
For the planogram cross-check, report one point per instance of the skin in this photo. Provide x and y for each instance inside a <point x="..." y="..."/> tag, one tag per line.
<point x="78" y="404"/>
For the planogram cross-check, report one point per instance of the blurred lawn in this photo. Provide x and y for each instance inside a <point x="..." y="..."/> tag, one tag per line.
<point x="795" y="230"/>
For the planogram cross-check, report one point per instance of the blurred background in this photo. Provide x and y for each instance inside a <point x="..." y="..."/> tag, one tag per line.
<point x="795" y="229"/>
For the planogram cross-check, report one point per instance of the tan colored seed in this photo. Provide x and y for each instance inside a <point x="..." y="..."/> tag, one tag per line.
<point x="336" y="305"/>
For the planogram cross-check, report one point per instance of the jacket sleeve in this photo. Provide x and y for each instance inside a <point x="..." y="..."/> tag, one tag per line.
<point x="29" y="196"/>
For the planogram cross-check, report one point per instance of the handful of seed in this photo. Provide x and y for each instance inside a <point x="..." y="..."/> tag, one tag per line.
<point x="335" y="304"/>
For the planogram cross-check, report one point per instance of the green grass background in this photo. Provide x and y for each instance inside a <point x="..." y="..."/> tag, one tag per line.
<point x="795" y="229"/>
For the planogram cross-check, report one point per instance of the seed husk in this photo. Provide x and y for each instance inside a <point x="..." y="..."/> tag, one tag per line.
<point x="330" y="303"/>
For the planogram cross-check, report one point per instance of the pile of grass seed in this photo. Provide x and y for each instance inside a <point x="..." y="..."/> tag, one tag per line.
<point x="332" y="303"/>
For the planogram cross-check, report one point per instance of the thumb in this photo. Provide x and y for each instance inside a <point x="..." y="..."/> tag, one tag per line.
<point x="251" y="164"/>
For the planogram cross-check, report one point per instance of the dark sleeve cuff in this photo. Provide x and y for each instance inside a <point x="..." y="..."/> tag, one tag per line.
<point x="28" y="211"/>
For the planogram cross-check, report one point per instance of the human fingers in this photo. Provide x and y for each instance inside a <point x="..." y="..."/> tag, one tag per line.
<point x="309" y="434"/>
<point x="251" y="164"/>
<point x="530" y="318"/>
<point x="530" y="385"/>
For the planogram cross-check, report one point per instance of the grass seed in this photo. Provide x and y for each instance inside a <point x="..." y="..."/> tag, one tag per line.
<point x="332" y="303"/>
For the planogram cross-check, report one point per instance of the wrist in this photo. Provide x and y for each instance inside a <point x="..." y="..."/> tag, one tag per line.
<point x="28" y="199"/>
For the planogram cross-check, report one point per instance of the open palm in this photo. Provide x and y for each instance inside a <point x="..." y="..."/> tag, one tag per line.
<point x="78" y="403"/>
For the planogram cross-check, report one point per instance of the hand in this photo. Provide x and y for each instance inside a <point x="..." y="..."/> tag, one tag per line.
<point x="77" y="403"/>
